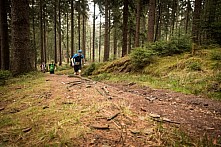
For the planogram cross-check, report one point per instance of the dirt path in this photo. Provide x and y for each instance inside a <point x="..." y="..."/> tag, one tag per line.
<point x="129" y="105"/>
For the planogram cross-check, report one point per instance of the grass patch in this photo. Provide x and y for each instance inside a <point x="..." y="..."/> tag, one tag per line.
<point x="198" y="74"/>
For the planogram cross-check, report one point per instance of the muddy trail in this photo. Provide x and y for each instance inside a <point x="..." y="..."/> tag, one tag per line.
<point x="129" y="115"/>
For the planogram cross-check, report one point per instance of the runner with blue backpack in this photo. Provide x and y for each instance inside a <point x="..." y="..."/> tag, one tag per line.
<point x="77" y="62"/>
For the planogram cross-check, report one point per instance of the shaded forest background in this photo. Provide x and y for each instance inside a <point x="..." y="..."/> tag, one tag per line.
<point x="37" y="31"/>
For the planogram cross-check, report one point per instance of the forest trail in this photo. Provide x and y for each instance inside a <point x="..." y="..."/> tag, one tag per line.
<point x="196" y="116"/>
<point x="62" y="110"/>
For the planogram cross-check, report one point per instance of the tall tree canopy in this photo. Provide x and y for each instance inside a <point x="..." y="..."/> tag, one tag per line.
<point x="123" y="24"/>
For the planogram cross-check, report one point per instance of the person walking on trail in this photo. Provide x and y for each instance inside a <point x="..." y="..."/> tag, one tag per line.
<point x="43" y="67"/>
<point x="52" y="67"/>
<point x="77" y="61"/>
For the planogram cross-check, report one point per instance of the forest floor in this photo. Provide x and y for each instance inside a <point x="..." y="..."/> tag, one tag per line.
<point x="61" y="110"/>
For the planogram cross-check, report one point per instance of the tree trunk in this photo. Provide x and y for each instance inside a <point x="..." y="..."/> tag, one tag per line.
<point x="33" y="29"/>
<point x="84" y="35"/>
<point x="93" y="54"/>
<point x="55" y="32"/>
<point x="158" y="23"/>
<point x="143" y="39"/>
<point x="59" y="32"/>
<point x="22" y="56"/>
<point x="130" y="41"/>
<point x="125" y="28"/>
<point x="41" y="32"/>
<point x="174" y="11"/>
<point x="4" y="36"/>
<point x="196" y="22"/>
<point x="106" y="49"/>
<point x="137" y="34"/>
<point x="100" y="41"/>
<point x="187" y="16"/>
<point x="72" y="28"/>
<point x="45" y="34"/>
<point x="79" y="30"/>
<point x="151" y="20"/>
<point x="90" y="46"/>
<point x="68" y="56"/>
<point x="115" y="40"/>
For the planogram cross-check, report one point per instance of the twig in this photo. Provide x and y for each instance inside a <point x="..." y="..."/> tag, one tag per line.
<point x="99" y="92"/>
<point x="101" y="127"/>
<point x="112" y="117"/>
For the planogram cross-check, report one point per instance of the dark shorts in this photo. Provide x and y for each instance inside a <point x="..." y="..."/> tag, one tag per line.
<point x="77" y="67"/>
<point x="51" y="71"/>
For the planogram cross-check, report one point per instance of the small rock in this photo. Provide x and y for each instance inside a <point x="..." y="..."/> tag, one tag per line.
<point x="2" y="108"/>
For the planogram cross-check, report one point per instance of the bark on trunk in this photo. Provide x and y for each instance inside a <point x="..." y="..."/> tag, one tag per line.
<point x="22" y="57"/>
<point x="59" y="32"/>
<point x="55" y="32"/>
<point x="151" y="20"/>
<point x="196" y="22"/>
<point x="125" y="28"/>
<point x="4" y="36"/>
<point x="106" y="49"/>
<point x="72" y="28"/>
<point x="137" y="37"/>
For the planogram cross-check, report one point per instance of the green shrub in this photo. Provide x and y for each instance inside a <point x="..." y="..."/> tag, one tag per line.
<point x="89" y="70"/>
<point x="215" y="55"/>
<point x="141" y="57"/>
<point x="174" y="46"/>
<point x="4" y="75"/>
<point x="195" y="66"/>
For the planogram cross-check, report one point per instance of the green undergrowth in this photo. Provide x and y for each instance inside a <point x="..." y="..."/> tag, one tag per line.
<point x="198" y="74"/>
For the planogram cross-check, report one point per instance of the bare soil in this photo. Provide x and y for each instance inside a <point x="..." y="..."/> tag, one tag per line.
<point x="195" y="115"/>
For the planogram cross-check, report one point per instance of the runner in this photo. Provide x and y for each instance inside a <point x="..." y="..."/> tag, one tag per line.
<point x="77" y="61"/>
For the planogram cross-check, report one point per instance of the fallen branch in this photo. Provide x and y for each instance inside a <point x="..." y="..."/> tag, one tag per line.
<point x="112" y="117"/>
<point x="165" y="120"/>
<point x="106" y="127"/>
